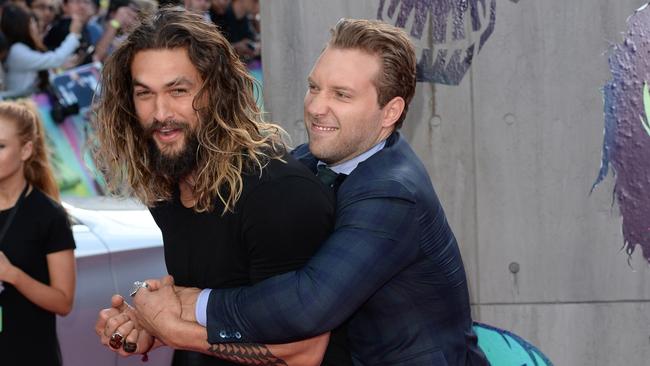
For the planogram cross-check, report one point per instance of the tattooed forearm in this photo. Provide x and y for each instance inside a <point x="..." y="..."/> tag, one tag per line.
<point x="247" y="354"/>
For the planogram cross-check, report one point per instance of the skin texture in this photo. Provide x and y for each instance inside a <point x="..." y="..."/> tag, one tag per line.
<point x="58" y="296"/>
<point x="165" y="86"/>
<point x="342" y="116"/>
<point x="165" y="93"/>
<point x="13" y="155"/>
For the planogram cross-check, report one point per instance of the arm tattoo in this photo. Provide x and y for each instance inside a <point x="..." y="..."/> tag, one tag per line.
<point x="246" y="353"/>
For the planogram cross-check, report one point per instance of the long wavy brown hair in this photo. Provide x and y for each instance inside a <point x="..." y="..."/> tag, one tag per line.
<point x="233" y="139"/>
<point x="37" y="169"/>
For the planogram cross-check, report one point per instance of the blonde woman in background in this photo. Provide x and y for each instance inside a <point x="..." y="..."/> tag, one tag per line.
<point x="37" y="265"/>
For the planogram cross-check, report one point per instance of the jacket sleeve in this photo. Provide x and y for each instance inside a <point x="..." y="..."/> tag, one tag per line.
<point x="375" y="237"/>
<point x="23" y="58"/>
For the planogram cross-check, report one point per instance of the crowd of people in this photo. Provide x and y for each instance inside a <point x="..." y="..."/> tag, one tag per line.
<point x="39" y="36"/>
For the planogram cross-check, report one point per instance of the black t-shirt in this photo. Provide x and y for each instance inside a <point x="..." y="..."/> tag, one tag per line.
<point x="40" y="227"/>
<point x="278" y="223"/>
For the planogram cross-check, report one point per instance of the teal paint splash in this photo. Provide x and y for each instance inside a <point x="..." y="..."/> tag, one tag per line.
<point x="503" y="348"/>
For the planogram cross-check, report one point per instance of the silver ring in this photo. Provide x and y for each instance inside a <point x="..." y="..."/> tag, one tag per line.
<point x="137" y="285"/>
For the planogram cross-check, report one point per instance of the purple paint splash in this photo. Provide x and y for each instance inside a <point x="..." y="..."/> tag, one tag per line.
<point x="449" y="61"/>
<point x="626" y="145"/>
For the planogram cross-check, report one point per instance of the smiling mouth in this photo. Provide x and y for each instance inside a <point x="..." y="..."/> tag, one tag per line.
<point x="324" y="128"/>
<point x="167" y="134"/>
<point x="167" y="130"/>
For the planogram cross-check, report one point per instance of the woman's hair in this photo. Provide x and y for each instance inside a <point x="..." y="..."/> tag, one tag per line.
<point x="30" y="128"/>
<point x="232" y="138"/>
<point x="15" y="24"/>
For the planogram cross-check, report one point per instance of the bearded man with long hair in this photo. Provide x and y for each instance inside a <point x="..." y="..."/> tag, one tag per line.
<point x="178" y="127"/>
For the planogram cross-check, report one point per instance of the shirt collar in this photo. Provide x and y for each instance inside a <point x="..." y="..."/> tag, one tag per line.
<point x="348" y="166"/>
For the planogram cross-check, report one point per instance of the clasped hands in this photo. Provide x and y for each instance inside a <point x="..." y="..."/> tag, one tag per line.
<point x="157" y="310"/>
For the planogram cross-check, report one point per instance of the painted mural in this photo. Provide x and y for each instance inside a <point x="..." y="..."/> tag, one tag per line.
<point x="503" y="348"/>
<point x="626" y="145"/>
<point x="447" y="33"/>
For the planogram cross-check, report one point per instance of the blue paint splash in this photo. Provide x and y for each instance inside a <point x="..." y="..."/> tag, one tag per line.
<point x="454" y="52"/>
<point x="626" y="144"/>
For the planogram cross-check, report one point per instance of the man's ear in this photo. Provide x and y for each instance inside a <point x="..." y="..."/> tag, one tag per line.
<point x="392" y="111"/>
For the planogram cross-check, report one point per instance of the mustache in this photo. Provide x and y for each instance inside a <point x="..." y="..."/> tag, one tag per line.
<point x="175" y="124"/>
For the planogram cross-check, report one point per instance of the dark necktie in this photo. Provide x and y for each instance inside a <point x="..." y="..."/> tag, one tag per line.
<point x="326" y="175"/>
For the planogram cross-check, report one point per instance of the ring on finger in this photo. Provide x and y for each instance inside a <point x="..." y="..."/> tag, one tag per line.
<point x="129" y="347"/>
<point x="116" y="340"/>
<point x="137" y="285"/>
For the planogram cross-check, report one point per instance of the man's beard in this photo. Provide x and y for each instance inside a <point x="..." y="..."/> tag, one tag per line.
<point x="179" y="164"/>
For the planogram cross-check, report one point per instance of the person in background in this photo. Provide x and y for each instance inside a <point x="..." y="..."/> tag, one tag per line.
<point x="45" y="12"/>
<point x="37" y="265"/>
<point x="90" y="31"/>
<point x="28" y="61"/>
<point x="121" y="15"/>
<point x="238" y="30"/>
<point x="4" y="49"/>
<point x="201" y="7"/>
<point x="218" y="10"/>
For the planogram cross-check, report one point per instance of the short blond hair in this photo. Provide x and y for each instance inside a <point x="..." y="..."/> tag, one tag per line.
<point x="397" y="76"/>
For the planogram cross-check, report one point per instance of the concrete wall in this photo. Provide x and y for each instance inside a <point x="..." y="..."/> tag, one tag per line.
<point x="512" y="151"/>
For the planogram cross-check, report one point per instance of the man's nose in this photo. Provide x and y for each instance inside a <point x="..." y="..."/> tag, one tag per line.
<point x="163" y="111"/>
<point x="316" y="104"/>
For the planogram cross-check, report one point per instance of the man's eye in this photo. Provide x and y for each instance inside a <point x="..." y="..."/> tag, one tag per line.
<point x="342" y="95"/>
<point x="178" y="92"/>
<point x="141" y="93"/>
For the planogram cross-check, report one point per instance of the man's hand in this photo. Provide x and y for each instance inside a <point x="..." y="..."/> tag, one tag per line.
<point x="158" y="309"/>
<point x="188" y="297"/>
<point x="121" y="318"/>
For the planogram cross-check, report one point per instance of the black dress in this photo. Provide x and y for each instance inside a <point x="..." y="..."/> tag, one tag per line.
<point x="277" y="225"/>
<point x="40" y="227"/>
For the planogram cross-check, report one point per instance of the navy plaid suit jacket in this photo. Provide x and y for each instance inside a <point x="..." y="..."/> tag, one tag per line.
<point x="392" y="266"/>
